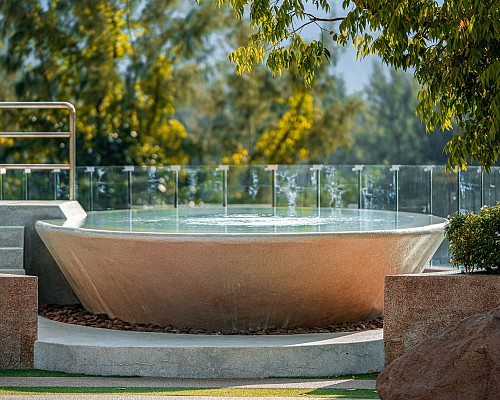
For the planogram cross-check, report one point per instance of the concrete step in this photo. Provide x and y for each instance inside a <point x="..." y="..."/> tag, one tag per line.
<point x="11" y="236"/>
<point x="95" y="351"/>
<point x="11" y="258"/>
<point x="12" y="271"/>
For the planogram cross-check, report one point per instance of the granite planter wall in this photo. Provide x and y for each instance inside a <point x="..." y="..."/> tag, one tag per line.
<point x="18" y="320"/>
<point x="417" y="306"/>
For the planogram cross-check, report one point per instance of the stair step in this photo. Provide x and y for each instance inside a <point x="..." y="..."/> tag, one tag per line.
<point x="11" y="236"/>
<point x="12" y="271"/>
<point x="11" y="258"/>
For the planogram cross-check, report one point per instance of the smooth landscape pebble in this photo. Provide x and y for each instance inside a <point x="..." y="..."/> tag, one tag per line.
<point x="76" y="314"/>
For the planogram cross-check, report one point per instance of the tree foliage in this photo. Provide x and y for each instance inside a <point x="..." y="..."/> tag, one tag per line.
<point x="453" y="47"/>
<point x="113" y="60"/>
<point x="147" y="90"/>
<point x="279" y="145"/>
<point x="388" y="131"/>
<point x="255" y="118"/>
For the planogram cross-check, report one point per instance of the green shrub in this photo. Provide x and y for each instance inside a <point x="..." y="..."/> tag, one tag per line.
<point x="475" y="239"/>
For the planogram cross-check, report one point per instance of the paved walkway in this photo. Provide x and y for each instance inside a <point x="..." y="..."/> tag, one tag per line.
<point x="188" y="383"/>
<point x="170" y="383"/>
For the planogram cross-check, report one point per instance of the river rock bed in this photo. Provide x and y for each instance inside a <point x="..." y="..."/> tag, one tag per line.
<point x="77" y="315"/>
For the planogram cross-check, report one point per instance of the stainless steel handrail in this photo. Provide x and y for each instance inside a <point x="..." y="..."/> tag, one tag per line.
<point x="35" y="166"/>
<point x="35" y="134"/>
<point x="70" y="135"/>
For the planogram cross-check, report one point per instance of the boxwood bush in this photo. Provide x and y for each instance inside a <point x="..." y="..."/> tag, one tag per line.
<point x="475" y="239"/>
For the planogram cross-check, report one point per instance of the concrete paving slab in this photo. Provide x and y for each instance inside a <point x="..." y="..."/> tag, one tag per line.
<point x="79" y="349"/>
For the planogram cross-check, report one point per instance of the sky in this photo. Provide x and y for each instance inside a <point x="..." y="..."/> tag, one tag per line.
<point x="355" y="73"/>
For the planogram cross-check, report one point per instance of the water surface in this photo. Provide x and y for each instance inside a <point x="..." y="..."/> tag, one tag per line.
<point x="250" y="220"/>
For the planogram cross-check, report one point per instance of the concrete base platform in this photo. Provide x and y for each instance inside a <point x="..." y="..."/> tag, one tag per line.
<point x="78" y="349"/>
<point x="53" y="288"/>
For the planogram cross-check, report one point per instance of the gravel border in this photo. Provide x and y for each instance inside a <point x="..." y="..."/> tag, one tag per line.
<point x="77" y="315"/>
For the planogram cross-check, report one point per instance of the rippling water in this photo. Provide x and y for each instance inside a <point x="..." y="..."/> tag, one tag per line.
<point x="250" y="220"/>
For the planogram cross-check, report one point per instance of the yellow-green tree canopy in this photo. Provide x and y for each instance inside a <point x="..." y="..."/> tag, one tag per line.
<point x="149" y="89"/>
<point x="453" y="47"/>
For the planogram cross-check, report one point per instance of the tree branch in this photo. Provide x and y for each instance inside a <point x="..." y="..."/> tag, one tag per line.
<point x="313" y="18"/>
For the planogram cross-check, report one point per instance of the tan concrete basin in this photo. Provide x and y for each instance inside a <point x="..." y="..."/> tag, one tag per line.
<point x="236" y="280"/>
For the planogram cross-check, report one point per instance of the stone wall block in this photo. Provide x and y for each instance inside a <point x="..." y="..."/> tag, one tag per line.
<point x="417" y="306"/>
<point x="18" y="320"/>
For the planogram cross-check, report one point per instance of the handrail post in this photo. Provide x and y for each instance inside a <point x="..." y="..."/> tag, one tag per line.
<point x="57" y="182"/>
<point x="429" y="204"/>
<point x="481" y="188"/>
<point x="90" y="171"/>
<point x="273" y="168"/>
<point x="176" y="169"/>
<point x="3" y="171"/>
<point x="129" y="169"/>
<point x="26" y="188"/>
<point x="316" y="168"/>
<point x="224" y="169"/>
<point x="395" y="168"/>
<point x="72" y="153"/>
<point x="359" y="169"/>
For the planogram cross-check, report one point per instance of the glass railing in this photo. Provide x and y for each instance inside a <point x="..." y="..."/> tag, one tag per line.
<point x="421" y="189"/>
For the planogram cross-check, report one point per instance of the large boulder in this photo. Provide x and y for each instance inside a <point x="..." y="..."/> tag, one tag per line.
<point x="460" y="362"/>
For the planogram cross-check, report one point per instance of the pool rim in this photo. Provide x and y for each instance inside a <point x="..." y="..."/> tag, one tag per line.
<point x="428" y="228"/>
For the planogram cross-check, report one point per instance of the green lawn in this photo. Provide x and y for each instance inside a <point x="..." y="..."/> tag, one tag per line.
<point x="36" y="373"/>
<point x="231" y="392"/>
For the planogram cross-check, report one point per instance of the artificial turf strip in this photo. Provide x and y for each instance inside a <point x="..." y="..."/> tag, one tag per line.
<point x="218" y="392"/>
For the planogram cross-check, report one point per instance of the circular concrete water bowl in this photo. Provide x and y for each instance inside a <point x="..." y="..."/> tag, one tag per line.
<point x="227" y="279"/>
